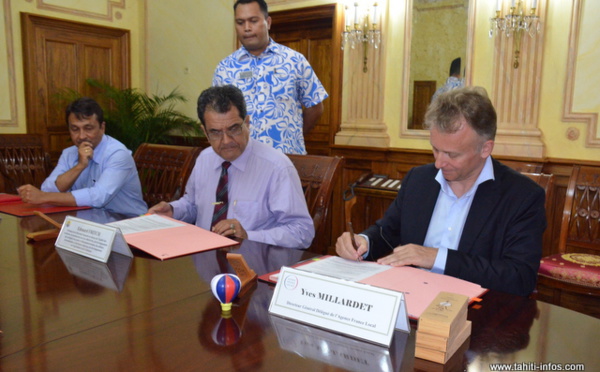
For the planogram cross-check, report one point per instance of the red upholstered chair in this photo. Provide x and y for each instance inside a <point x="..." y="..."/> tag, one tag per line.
<point x="576" y="268"/>
<point x="318" y="175"/>
<point x="164" y="170"/>
<point x="22" y="161"/>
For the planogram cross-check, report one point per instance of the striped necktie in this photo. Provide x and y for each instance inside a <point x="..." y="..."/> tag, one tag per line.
<point x="222" y="199"/>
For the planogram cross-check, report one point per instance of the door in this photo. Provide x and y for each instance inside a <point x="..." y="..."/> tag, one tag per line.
<point x="60" y="54"/>
<point x="423" y="91"/>
<point x="311" y="31"/>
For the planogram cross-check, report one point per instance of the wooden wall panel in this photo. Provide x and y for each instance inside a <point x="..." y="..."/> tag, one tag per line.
<point x="61" y="58"/>
<point x="60" y="54"/>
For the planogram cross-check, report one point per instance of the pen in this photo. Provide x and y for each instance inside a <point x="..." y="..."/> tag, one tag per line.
<point x="353" y="239"/>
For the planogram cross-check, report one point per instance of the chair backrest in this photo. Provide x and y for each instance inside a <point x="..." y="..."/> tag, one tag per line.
<point x="22" y="161"/>
<point x="546" y="181"/>
<point x="318" y="174"/>
<point x="580" y="227"/>
<point x="164" y="170"/>
<point x="524" y="167"/>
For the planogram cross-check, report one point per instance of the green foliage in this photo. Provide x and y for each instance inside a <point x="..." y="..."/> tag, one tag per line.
<point x="133" y="117"/>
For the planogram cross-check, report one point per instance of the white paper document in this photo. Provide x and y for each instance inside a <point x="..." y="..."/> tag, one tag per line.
<point x="342" y="268"/>
<point x="149" y="222"/>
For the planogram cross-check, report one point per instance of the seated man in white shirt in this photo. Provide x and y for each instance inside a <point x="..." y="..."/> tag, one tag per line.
<point x="262" y="199"/>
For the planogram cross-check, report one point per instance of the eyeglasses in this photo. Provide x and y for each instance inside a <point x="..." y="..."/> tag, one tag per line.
<point x="233" y="131"/>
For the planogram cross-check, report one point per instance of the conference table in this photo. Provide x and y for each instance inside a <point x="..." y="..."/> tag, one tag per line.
<point x="64" y="312"/>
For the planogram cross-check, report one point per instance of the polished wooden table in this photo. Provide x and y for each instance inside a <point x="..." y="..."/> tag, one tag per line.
<point x="64" y="313"/>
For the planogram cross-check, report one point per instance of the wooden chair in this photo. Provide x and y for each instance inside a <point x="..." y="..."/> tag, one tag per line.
<point x="524" y="167"/>
<point x="576" y="268"/>
<point x="318" y="175"/>
<point x="22" y="161"/>
<point x="164" y="170"/>
<point x="546" y="181"/>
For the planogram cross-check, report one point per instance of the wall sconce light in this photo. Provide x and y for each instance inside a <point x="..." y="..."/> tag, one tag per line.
<point x="365" y="30"/>
<point x="516" y="22"/>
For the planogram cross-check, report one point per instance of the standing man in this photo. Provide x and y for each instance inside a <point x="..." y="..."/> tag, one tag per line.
<point x="277" y="81"/>
<point x="241" y="187"/>
<point x="466" y="215"/>
<point x="454" y="80"/>
<point x="97" y="171"/>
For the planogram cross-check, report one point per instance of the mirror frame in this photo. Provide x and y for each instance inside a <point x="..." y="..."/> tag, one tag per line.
<point x="405" y="132"/>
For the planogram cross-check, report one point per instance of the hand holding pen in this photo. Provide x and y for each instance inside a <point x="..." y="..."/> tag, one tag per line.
<point x="350" y="245"/>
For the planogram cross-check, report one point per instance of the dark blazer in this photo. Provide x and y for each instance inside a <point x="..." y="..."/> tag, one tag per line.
<point x="501" y="243"/>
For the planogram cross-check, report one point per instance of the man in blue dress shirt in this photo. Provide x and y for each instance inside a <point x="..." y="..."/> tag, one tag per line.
<point x="97" y="171"/>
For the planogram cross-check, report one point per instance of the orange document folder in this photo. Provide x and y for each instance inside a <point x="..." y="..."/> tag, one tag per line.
<point x="12" y="204"/>
<point x="420" y="287"/>
<point x="176" y="241"/>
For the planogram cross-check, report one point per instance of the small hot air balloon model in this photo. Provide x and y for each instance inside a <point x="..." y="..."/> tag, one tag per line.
<point x="225" y="287"/>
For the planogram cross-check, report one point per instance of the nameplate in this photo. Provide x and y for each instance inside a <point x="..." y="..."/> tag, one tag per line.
<point x="246" y="75"/>
<point x="111" y="275"/>
<point x="354" y="309"/>
<point x="337" y="350"/>
<point x="91" y="239"/>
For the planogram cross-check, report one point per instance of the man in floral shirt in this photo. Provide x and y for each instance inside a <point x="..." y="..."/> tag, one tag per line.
<point x="283" y="94"/>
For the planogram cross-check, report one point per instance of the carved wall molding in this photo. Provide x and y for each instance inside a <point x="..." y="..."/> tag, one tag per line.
<point x="592" y="139"/>
<point x="370" y="134"/>
<point x="516" y="93"/>
<point x="362" y="109"/>
<point x="83" y="12"/>
<point x="10" y="62"/>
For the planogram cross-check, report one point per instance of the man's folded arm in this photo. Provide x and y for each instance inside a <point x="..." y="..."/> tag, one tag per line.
<point x="293" y="226"/>
<point x="117" y="172"/>
<point x="293" y="232"/>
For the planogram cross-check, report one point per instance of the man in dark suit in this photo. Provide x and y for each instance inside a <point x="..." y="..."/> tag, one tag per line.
<point x="466" y="215"/>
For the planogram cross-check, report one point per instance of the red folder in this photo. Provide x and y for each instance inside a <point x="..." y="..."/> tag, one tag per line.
<point x="177" y="241"/>
<point x="9" y="198"/>
<point x="12" y="204"/>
